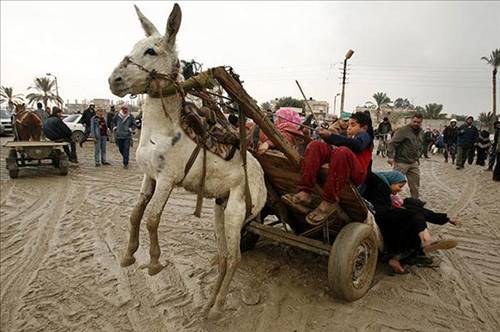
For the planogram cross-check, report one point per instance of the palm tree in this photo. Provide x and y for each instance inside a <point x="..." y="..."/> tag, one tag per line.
<point x="44" y="86"/>
<point x="381" y="100"/>
<point x="433" y="111"/>
<point x="7" y="95"/>
<point x="494" y="60"/>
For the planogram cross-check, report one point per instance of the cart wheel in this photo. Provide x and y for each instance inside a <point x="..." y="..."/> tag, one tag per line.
<point x="352" y="261"/>
<point x="63" y="166"/>
<point x="11" y="162"/>
<point x="249" y="240"/>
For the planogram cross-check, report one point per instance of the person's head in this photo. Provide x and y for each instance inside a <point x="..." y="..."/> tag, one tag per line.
<point x="112" y="108"/>
<point x="453" y="123"/>
<point x="469" y="120"/>
<point x="233" y="119"/>
<point x="39" y="105"/>
<point x="416" y="121"/>
<point x="124" y="109"/>
<point x="91" y="106"/>
<point x="386" y="119"/>
<point x="99" y="112"/>
<point x="56" y="111"/>
<point x="344" y="120"/>
<point x="47" y="109"/>
<point x="394" y="179"/>
<point x="358" y="123"/>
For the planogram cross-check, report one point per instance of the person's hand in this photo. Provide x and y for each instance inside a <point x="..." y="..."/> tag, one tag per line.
<point x="323" y="133"/>
<point x="390" y="161"/>
<point x="454" y="222"/>
<point x="262" y="148"/>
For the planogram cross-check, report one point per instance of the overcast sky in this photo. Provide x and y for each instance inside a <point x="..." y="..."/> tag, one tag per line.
<point x="424" y="51"/>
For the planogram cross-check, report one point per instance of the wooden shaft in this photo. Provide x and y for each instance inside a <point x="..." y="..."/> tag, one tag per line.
<point x="238" y="93"/>
<point x="305" y="100"/>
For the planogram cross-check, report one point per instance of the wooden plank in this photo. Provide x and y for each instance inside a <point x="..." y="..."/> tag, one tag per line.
<point x="16" y="144"/>
<point x="280" y="236"/>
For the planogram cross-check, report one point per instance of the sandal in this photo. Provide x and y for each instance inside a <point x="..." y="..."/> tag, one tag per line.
<point x="317" y="216"/>
<point x="297" y="204"/>
<point x="439" y="245"/>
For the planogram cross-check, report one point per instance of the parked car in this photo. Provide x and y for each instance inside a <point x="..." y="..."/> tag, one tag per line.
<point x="77" y="129"/>
<point x="6" y="122"/>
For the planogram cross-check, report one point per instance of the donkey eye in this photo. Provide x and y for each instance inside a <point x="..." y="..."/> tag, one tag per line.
<point x="150" y="51"/>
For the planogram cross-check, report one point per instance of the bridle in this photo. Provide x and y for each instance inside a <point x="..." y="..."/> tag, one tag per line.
<point x="156" y="77"/>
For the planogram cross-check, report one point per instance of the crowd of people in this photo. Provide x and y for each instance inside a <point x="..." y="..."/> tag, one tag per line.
<point x="117" y="127"/>
<point x="346" y="145"/>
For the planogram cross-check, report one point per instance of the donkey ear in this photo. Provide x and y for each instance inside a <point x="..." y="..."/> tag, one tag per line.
<point x="173" y="24"/>
<point x="148" y="27"/>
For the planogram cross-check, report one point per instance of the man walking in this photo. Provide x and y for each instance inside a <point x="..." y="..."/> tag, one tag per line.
<point x="124" y="124"/>
<point x="450" y="140"/>
<point x="109" y="120"/>
<point x="87" y="115"/>
<point x="494" y="148"/>
<point x="404" y="151"/>
<point x="42" y="114"/>
<point x="427" y="142"/>
<point x="467" y="138"/>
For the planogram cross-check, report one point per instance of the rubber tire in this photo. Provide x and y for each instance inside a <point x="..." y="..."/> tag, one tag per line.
<point x="341" y="261"/>
<point x="249" y="240"/>
<point x="77" y="136"/>
<point x="63" y="166"/>
<point x="13" y="173"/>
<point x="12" y="164"/>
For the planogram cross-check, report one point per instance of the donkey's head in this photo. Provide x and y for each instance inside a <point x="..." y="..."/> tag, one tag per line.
<point x="19" y="107"/>
<point x="153" y="53"/>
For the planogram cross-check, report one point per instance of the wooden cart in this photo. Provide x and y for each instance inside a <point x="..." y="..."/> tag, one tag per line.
<point x="350" y="238"/>
<point x="33" y="154"/>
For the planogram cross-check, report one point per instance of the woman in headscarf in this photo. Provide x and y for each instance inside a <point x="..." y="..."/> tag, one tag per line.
<point x="288" y="123"/>
<point x="404" y="230"/>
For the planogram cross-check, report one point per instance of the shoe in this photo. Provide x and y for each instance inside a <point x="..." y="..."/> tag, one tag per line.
<point x="105" y="163"/>
<point x="97" y="165"/>
<point x="74" y="161"/>
<point x="459" y="167"/>
<point x="81" y="144"/>
<point x="125" y="166"/>
<point x="439" y="245"/>
<point x="489" y="170"/>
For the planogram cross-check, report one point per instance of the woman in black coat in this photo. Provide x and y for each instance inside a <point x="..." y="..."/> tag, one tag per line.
<point x="404" y="228"/>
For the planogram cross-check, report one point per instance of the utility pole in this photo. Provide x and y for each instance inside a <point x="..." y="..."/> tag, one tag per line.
<point x="57" y="90"/>
<point x="347" y="57"/>
<point x="335" y="103"/>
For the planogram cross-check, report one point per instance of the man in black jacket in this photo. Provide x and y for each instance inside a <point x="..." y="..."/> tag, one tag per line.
<point x="56" y="130"/>
<point x="87" y="115"/>
<point x="494" y="150"/>
<point x="109" y="120"/>
<point x="467" y="138"/>
<point x="450" y="140"/>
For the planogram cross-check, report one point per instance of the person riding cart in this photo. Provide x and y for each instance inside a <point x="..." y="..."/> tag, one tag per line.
<point x="56" y="130"/>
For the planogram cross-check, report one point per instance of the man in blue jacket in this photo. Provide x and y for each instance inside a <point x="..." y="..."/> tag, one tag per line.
<point x="467" y="138"/>
<point x="124" y="125"/>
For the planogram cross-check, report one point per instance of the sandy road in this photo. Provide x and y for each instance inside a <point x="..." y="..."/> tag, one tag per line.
<point x="61" y="239"/>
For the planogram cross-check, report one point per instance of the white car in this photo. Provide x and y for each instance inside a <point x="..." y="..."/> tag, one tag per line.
<point x="5" y="122"/>
<point x="77" y="129"/>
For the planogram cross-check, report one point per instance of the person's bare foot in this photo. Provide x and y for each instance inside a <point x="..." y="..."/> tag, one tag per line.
<point x="396" y="266"/>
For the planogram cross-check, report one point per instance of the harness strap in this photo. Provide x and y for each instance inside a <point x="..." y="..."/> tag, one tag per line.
<point x="243" y="153"/>
<point x="201" y="189"/>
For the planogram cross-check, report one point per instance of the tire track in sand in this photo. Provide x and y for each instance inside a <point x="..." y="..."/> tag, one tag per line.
<point x="475" y="292"/>
<point x="22" y="276"/>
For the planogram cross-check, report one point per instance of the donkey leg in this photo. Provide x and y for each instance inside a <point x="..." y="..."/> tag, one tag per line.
<point x="234" y="217"/>
<point x="153" y="215"/>
<point x="147" y="190"/>
<point x="221" y="253"/>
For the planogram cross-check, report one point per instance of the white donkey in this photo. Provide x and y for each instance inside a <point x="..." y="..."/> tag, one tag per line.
<point x="163" y="153"/>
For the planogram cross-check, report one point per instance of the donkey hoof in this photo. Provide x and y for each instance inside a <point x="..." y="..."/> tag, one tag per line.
<point x="154" y="269"/>
<point x="127" y="261"/>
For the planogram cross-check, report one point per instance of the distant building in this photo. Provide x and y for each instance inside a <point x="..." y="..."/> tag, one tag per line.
<point x="319" y="108"/>
<point x="102" y="103"/>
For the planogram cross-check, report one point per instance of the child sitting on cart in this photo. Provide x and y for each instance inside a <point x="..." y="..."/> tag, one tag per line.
<point x="349" y="159"/>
